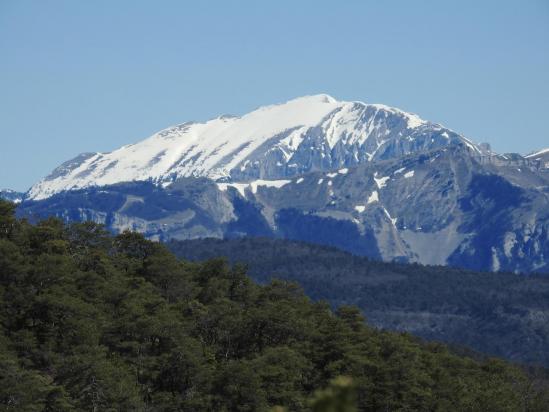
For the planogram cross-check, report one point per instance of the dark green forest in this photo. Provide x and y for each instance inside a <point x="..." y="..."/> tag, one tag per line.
<point x="92" y="322"/>
<point x="501" y="314"/>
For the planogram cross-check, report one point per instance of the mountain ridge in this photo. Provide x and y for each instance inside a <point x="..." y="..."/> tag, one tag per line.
<point x="304" y="134"/>
<point x="369" y="179"/>
<point x="441" y="207"/>
<point x="447" y="304"/>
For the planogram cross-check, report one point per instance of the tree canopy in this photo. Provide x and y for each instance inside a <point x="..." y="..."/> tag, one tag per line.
<point x="92" y="322"/>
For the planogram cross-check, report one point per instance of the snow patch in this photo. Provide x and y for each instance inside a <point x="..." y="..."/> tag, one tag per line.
<point x="381" y="182"/>
<point x="268" y="183"/>
<point x="393" y="220"/>
<point x="360" y="208"/>
<point x="374" y="197"/>
<point x="414" y="121"/>
<point x="509" y="242"/>
<point x="495" y="260"/>
<point x="409" y="174"/>
<point x="241" y="187"/>
<point x="539" y="152"/>
<point x="470" y="145"/>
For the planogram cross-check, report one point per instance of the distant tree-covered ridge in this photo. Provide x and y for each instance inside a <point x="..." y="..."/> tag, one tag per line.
<point x="91" y="322"/>
<point x="501" y="314"/>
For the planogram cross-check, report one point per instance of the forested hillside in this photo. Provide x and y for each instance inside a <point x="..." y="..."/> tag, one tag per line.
<point x="502" y="314"/>
<point x="91" y="322"/>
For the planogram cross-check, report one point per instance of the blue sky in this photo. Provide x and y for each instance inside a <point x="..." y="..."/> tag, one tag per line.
<point x="80" y="76"/>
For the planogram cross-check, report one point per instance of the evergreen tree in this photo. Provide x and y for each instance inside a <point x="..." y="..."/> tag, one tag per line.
<point x="90" y="322"/>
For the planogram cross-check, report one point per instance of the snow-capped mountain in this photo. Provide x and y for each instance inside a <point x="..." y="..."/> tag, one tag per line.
<point x="273" y="142"/>
<point x="366" y="178"/>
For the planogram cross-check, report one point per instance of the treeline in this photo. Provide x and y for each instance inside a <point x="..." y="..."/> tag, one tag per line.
<point x="92" y="322"/>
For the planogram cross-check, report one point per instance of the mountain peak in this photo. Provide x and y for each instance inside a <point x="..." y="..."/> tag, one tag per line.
<point x="304" y="134"/>
<point x="317" y="98"/>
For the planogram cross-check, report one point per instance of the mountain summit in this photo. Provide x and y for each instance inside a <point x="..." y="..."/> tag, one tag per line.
<point x="311" y="133"/>
<point x="366" y="178"/>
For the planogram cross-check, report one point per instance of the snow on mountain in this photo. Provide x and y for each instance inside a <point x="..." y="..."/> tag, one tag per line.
<point x="538" y="153"/>
<point x="271" y="143"/>
<point x="541" y="157"/>
<point x="11" y="195"/>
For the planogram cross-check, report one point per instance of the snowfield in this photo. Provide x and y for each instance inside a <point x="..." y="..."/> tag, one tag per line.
<point x="270" y="143"/>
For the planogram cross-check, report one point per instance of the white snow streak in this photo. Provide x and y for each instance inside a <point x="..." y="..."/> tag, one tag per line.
<point x="540" y="152"/>
<point x="241" y="187"/>
<point x="381" y="182"/>
<point x="374" y="197"/>
<point x="393" y="220"/>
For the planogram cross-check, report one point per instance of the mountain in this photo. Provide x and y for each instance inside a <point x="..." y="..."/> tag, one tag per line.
<point x="306" y="134"/>
<point x="11" y="195"/>
<point x="440" y="207"/>
<point x="501" y="314"/>
<point x="369" y="179"/>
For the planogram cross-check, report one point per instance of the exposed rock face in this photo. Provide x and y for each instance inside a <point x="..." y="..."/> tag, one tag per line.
<point x="438" y="207"/>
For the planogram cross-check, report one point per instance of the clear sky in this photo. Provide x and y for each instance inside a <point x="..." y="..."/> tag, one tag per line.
<point x="79" y="76"/>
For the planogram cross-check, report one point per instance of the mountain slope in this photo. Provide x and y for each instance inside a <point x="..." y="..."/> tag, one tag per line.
<point x="11" y="195"/>
<point x="369" y="179"/>
<point x="273" y="142"/>
<point x="438" y="207"/>
<point x="501" y="314"/>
